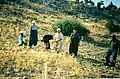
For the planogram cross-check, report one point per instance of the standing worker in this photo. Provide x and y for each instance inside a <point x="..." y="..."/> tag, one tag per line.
<point x="74" y="42"/>
<point x="58" y="39"/>
<point x="33" y="34"/>
<point x="114" y="49"/>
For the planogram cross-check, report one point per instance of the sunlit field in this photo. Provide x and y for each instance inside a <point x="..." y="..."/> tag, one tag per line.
<point x="20" y="62"/>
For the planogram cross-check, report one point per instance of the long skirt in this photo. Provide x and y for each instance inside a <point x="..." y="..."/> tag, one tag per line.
<point x="33" y="38"/>
<point x="73" y="48"/>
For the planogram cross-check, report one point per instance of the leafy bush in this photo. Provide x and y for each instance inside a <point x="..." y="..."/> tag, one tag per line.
<point x="67" y="25"/>
<point x="113" y="26"/>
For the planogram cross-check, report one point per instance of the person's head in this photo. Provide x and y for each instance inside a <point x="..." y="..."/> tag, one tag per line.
<point x="74" y="31"/>
<point x="21" y="32"/>
<point x="33" y="22"/>
<point x="114" y="37"/>
<point x="58" y="30"/>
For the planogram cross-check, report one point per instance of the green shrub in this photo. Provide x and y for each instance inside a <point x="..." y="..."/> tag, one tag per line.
<point x="67" y="25"/>
<point x="113" y="26"/>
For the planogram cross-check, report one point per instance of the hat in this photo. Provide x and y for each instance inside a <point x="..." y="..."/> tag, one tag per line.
<point x="21" y="31"/>
<point x="33" y="22"/>
<point x="58" y="29"/>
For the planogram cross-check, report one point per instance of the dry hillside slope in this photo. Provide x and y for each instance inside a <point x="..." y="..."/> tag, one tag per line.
<point x="18" y="62"/>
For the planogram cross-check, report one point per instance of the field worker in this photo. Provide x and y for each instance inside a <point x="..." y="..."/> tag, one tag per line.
<point x="46" y="40"/>
<point x="74" y="42"/>
<point x="33" y="34"/>
<point x="20" y="39"/>
<point x="58" y="40"/>
<point x="114" y="49"/>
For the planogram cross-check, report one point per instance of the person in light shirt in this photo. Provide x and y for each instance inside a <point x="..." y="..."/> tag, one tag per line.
<point x="58" y="37"/>
<point x="21" y="42"/>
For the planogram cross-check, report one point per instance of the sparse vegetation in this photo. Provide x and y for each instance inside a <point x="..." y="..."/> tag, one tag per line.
<point x="18" y="62"/>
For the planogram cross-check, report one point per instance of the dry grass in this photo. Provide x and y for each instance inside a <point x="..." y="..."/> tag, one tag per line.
<point x="17" y="62"/>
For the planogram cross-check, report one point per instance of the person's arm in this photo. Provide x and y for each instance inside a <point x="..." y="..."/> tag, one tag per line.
<point x="24" y="35"/>
<point x="71" y="36"/>
<point x="54" y="37"/>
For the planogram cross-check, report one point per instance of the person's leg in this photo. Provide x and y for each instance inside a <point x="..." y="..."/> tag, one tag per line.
<point x="108" y="57"/>
<point x="20" y="44"/>
<point x="30" y="41"/>
<point x="114" y="58"/>
<point x="70" y="49"/>
<point x="34" y="42"/>
<point x="25" y="43"/>
<point x="35" y="38"/>
<point x="56" y="47"/>
<point x="75" y="50"/>
<point x="30" y="44"/>
<point x="61" y="44"/>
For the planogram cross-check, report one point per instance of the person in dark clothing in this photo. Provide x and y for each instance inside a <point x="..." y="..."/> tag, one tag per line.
<point x="74" y="42"/>
<point x="33" y="35"/>
<point x="46" y="39"/>
<point x="114" y="49"/>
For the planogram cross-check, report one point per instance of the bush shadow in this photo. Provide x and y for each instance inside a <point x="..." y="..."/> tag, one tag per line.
<point x="95" y="42"/>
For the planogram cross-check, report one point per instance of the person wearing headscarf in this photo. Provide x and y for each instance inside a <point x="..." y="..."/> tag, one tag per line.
<point x="45" y="40"/>
<point x="33" y="34"/>
<point x="58" y="37"/>
<point x="114" y="49"/>
<point x="74" y="42"/>
<point x="20" y="39"/>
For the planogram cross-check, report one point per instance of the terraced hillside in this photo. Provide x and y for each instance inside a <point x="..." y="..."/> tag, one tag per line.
<point x="19" y="62"/>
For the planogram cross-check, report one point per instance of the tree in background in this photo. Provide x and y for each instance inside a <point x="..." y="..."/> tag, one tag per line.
<point x="99" y="4"/>
<point x="113" y="26"/>
<point x="86" y="1"/>
<point x="111" y="6"/>
<point x="91" y="2"/>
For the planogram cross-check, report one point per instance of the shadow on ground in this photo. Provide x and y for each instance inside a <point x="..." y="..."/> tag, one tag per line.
<point x="95" y="42"/>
